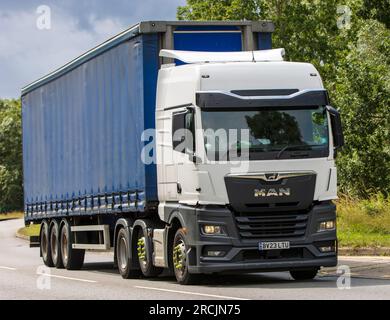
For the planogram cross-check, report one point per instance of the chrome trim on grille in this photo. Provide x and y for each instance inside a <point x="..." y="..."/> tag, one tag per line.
<point x="272" y="176"/>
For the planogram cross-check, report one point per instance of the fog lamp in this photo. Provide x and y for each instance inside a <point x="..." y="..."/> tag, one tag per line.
<point x="210" y="229"/>
<point x="327" y="249"/>
<point x="327" y="225"/>
<point x="215" y="253"/>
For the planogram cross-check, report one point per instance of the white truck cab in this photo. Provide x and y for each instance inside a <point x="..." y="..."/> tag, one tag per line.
<point x="277" y="194"/>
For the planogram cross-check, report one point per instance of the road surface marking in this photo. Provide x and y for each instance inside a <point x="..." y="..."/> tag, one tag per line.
<point x="66" y="278"/>
<point x="7" y="268"/>
<point x="192" y="293"/>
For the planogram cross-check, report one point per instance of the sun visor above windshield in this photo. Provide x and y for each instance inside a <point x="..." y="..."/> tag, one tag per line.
<point x="230" y="100"/>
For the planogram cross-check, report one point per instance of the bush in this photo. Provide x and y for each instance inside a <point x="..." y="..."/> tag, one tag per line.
<point x="365" y="216"/>
<point x="364" y="222"/>
<point x="11" y="179"/>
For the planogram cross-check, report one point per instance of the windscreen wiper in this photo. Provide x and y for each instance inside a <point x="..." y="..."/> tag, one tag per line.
<point x="299" y="146"/>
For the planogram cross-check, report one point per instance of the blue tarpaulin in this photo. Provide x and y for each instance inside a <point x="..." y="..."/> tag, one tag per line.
<point x="82" y="126"/>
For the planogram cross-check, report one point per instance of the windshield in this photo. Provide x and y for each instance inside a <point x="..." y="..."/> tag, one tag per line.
<point x="270" y="133"/>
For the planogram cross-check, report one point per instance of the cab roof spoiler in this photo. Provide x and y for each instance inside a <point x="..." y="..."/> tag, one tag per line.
<point x="235" y="56"/>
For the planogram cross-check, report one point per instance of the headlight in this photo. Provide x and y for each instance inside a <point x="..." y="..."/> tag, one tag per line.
<point x="212" y="230"/>
<point x="327" y="225"/>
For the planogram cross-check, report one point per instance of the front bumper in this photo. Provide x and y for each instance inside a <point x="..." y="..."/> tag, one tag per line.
<point x="265" y="266"/>
<point x="242" y="254"/>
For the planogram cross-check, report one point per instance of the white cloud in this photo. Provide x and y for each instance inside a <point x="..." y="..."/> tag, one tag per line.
<point x="27" y="53"/>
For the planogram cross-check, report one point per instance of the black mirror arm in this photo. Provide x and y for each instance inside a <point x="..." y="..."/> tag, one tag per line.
<point x="196" y="159"/>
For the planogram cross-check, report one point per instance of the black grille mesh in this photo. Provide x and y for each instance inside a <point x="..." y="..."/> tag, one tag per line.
<point x="272" y="225"/>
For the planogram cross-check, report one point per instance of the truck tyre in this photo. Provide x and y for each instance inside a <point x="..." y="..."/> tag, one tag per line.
<point x="45" y="244"/>
<point x="72" y="259"/>
<point x="180" y="259"/>
<point x="123" y="257"/>
<point x="55" y="248"/>
<point x="145" y="254"/>
<point x="300" y="275"/>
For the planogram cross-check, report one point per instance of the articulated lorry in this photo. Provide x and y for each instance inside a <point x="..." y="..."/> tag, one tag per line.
<point x="188" y="146"/>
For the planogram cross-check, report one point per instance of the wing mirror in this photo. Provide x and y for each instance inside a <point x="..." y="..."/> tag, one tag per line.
<point x="337" y="130"/>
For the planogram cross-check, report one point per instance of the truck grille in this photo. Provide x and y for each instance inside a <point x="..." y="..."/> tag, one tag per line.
<point x="270" y="226"/>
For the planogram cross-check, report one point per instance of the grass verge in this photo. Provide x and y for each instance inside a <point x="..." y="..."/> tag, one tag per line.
<point x="363" y="223"/>
<point x="30" y="231"/>
<point x="11" y="215"/>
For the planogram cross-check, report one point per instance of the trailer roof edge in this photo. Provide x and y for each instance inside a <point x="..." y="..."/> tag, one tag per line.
<point x="90" y="54"/>
<point x="162" y="26"/>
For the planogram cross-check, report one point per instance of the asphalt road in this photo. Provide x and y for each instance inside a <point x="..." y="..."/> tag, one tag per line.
<point x="23" y="276"/>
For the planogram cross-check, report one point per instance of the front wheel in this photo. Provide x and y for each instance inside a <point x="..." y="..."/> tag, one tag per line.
<point x="300" y="275"/>
<point x="180" y="252"/>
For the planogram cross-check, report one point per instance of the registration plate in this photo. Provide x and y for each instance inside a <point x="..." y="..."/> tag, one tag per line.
<point x="274" y="245"/>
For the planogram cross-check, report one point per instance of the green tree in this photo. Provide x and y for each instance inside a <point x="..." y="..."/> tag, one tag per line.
<point x="353" y="59"/>
<point x="362" y="92"/>
<point x="308" y="30"/>
<point x="221" y="10"/>
<point x="11" y="191"/>
<point x="377" y="10"/>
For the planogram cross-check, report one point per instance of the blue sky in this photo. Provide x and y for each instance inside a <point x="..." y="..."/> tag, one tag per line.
<point x="27" y="53"/>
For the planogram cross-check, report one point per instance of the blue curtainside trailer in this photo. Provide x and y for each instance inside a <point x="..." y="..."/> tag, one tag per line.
<point x="82" y="124"/>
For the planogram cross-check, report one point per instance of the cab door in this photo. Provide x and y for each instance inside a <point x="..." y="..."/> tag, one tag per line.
<point x="183" y="142"/>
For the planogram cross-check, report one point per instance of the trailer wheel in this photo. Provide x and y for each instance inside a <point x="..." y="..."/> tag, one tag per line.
<point x="144" y="253"/>
<point x="45" y="244"/>
<point x="301" y="275"/>
<point x="72" y="259"/>
<point x="180" y="259"/>
<point x="123" y="257"/>
<point x="55" y="248"/>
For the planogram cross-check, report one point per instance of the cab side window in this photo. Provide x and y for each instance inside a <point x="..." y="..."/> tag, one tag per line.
<point x="183" y="131"/>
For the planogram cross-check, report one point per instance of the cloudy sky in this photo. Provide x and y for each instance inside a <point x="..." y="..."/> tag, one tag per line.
<point x="28" y="52"/>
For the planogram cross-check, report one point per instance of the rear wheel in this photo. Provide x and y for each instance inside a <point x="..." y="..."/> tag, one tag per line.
<point x="180" y="259"/>
<point x="300" y="275"/>
<point x="55" y="248"/>
<point x="73" y="259"/>
<point x="145" y="254"/>
<point x="45" y="244"/>
<point x="123" y="257"/>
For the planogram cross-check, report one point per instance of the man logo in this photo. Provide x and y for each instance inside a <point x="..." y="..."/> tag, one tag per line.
<point x="271" y="176"/>
<point x="280" y="192"/>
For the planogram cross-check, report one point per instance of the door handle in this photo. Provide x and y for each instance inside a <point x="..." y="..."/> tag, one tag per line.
<point x="178" y="186"/>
